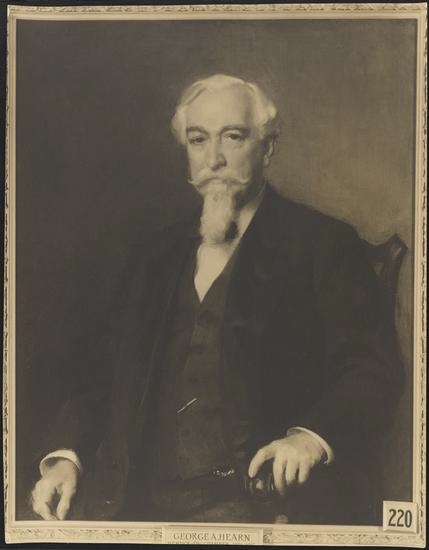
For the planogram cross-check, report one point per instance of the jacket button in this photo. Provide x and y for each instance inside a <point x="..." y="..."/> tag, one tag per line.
<point x="206" y="318"/>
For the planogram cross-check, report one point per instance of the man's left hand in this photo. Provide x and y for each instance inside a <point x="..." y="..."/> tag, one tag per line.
<point x="293" y="457"/>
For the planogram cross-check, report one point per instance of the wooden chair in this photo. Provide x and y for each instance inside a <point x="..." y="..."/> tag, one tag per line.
<point x="387" y="260"/>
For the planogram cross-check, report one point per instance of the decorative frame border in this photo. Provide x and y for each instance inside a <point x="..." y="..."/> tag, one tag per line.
<point x="140" y="532"/>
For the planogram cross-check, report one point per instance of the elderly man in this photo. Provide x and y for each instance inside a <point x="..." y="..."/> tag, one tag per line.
<point x="251" y="345"/>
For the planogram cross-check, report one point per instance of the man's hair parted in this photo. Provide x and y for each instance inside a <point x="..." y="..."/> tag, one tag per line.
<point x="264" y="109"/>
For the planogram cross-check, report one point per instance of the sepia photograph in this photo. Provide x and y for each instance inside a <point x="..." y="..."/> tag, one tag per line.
<point x="215" y="274"/>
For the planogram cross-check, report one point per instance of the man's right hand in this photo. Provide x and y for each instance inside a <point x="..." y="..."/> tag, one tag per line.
<point x="59" y="479"/>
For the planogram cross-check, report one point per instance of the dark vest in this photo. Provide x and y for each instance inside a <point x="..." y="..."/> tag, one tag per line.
<point x="191" y="442"/>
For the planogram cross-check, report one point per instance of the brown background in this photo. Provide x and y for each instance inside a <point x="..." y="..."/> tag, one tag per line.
<point x="96" y="165"/>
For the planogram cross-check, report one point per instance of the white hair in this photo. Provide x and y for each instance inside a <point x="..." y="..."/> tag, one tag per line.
<point x="265" y="111"/>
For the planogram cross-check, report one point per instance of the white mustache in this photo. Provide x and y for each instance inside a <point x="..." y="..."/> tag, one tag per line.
<point x="224" y="178"/>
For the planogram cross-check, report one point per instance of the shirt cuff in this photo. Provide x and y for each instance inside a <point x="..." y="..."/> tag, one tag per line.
<point x="326" y="447"/>
<point x="61" y="453"/>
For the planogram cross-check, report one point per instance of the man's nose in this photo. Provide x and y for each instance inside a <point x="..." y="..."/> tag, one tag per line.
<point x="215" y="157"/>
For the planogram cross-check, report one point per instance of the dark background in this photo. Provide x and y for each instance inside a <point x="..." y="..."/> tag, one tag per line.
<point x="96" y="165"/>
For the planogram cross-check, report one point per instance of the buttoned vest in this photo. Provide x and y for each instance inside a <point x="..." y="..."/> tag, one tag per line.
<point x="191" y="439"/>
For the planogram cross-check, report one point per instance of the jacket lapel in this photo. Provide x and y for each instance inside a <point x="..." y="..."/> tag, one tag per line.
<point x="264" y="265"/>
<point x="167" y="279"/>
<point x="265" y="268"/>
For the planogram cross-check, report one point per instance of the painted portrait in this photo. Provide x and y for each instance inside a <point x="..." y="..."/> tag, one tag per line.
<point x="215" y="218"/>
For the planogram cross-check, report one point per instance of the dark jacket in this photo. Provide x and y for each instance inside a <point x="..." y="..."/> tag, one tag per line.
<point x="305" y="342"/>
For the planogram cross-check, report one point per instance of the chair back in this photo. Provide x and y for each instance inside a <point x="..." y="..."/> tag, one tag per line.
<point x="387" y="259"/>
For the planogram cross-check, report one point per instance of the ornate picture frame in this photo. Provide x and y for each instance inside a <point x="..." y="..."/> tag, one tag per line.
<point x="407" y="33"/>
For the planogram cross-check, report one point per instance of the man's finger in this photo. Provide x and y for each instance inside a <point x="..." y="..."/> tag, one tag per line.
<point x="291" y="471"/>
<point x="65" y="501"/>
<point x="260" y="457"/>
<point x="42" y="509"/>
<point x="304" y="473"/>
<point x="42" y="496"/>
<point x="279" y="476"/>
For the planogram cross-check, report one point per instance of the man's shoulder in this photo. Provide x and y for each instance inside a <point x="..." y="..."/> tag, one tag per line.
<point x="310" y="223"/>
<point x="157" y="242"/>
<point x="169" y="234"/>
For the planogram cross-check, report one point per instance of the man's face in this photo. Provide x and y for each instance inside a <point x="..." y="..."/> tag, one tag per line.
<point x="223" y="143"/>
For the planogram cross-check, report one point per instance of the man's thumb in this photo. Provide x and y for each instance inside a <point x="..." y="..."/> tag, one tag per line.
<point x="260" y="457"/>
<point x="64" y="503"/>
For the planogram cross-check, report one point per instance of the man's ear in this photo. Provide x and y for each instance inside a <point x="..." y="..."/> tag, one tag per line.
<point x="269" y="150"/>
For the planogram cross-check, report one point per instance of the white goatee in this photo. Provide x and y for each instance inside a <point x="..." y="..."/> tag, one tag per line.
<point x="218" y="216"/>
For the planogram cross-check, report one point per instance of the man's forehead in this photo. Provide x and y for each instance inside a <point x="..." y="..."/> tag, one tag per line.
<point x="228" y="107"/>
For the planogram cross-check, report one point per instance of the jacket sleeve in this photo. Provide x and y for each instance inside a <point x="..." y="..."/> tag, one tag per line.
<point x="84" y="418"/>
<point x="78" y="427"/>
<point x="363" y="374"/>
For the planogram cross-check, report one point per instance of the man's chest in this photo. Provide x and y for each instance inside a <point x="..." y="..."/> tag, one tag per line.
<point x="210" y="263"/>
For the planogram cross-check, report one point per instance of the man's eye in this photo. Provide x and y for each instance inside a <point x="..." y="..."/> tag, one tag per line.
<point x="197" y="140"/>
<point x="234" y="136"/>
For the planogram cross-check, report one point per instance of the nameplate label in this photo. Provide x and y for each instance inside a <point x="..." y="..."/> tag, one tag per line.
<point x="196" y="534"/>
